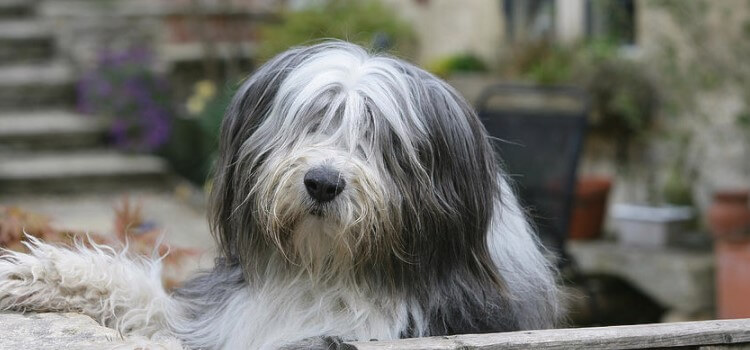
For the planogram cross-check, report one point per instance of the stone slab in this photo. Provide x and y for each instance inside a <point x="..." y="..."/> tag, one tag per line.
<point x="49" y="130"/>
<point x="80" y="171"/>
<point x="16" y="8"/>
<point x="34" y="85"/>
<point x="680" y="279"/>
<point x="52" y="73"/>
<point x="42" y="331"/>
<point x="24" y="30"/>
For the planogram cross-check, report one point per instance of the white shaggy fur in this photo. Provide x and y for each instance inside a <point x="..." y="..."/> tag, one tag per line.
<point x="121" y="292"/>
<point x="426" y="237"/>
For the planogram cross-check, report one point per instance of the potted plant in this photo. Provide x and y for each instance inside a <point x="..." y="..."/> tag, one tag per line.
<point x="666" y="219"/>
<point x="623" y="103"/>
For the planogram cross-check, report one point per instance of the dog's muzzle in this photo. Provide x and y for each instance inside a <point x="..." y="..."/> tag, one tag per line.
<point x="323" y="184"/>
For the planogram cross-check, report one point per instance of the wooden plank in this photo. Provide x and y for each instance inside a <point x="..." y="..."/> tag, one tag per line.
<point x="745" y="346"/>
<point x="661" y="335"/>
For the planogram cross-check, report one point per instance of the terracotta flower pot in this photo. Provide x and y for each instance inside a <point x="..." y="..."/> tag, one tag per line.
<point x="732" y="279"/>
<point x="729" y="218"/>
<point x="729" y="215"/>
<point x="589" y="206"/>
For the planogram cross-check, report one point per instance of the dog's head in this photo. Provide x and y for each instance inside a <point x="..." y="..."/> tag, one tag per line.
<point x="336" y="159"/>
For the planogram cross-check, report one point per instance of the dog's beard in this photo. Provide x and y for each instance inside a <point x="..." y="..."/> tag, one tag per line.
<point x="326" y="238"/>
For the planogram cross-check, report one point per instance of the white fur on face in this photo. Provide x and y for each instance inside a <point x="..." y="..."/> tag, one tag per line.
<point x="337" y="110"/>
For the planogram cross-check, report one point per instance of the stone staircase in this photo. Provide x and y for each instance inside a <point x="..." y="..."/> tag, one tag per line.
<point x="56" y="163"/>
<point x="44" y="146"/>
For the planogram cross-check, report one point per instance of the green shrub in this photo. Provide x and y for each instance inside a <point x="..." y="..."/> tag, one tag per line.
<point x="194" y="143"/>
<point x="624" y="97"/>
<point x="360" y="21"/>
<point x="465" y="62"/>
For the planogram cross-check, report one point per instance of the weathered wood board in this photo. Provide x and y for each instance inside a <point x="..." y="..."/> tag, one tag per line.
<point x="648" y="336"/>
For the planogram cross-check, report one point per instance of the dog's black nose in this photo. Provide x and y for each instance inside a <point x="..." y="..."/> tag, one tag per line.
<point x="324" y="184"/>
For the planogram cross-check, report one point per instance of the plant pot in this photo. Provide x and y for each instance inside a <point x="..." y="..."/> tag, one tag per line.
<point x="729" y="219"/>
<point x="732" y="279"/>
<point x="589" y="206"/>
<point x="650" y="226"/>
<point x="729" y="215"/>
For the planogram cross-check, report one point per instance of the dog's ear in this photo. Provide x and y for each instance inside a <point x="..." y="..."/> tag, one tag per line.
<point x="461" y="167"/>
<point x="447" y="223"/>
<point x="250" y="106"/>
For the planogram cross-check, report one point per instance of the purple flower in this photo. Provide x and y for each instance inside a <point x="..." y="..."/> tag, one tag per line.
<point x="124" y="88"/>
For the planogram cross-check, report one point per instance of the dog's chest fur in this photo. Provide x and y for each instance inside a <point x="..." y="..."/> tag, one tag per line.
<point x="269" y="314"/>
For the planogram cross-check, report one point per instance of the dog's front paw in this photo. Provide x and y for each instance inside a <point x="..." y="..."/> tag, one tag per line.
<point x="320" y="343"/>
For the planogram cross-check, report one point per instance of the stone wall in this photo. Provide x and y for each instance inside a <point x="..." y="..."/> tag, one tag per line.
<point x="43" y="331"/>
<point x="447" y="27"/>
<point x="173" y="29"/>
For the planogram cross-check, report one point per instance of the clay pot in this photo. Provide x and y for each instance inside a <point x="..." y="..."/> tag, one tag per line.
<point x="732" y="279"/>
<point x="729" y="215"/>
<point x="729" y="218"/>
<point x="589" y="206"/>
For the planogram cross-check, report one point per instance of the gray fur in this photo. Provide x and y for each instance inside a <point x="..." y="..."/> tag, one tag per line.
<point x="440" y="184"/>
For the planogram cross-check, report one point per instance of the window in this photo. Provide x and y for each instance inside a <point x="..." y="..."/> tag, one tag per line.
<point x="611" y="20"/>
<point x="529" y="20"/>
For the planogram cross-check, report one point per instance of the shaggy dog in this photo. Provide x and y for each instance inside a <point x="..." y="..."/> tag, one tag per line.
<point x="356" y="197"/>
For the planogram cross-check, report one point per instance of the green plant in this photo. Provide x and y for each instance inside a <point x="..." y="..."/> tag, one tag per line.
<point x="624" y="97"/>
<point x="365" y="22"/>
<point x="678" y="187"/>
<point x="464" y="62"/>
<point x="743" y="122"/>
<point x="548" y="63"/>
<point x="194" y="143"/>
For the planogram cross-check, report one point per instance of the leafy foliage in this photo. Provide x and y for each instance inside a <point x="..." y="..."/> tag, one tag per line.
<point x="624" y="96"/>
<point x="365" y="22"/>
<point x="193" y="146"/>
<point x="458" y="63"/>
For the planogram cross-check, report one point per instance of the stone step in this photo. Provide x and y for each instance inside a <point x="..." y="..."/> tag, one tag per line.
<point x="35" y="86"/>
<point x="16" y="8"/>
<point x="83" y="171"/>
<point x="25" y="41"/>
<point x="36" y="130"/>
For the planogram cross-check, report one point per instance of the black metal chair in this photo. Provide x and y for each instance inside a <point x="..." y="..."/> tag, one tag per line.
<point x="540" y="146"/>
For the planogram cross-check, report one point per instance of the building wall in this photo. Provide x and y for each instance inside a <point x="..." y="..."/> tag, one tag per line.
<point x="679" y="42"/>
<point x="448" y="27"/>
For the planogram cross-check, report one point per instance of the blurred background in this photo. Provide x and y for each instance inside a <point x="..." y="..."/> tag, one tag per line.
<point x="625" y="123"/>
